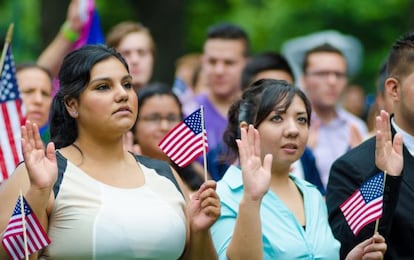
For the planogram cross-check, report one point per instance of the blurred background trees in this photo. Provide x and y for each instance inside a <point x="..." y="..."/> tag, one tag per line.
<point x="179" y="26"/>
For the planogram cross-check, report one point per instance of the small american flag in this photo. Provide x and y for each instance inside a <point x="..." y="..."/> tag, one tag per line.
<point x="365" y="204"/>
<point x="185" y="142"/>
<point x="13" y="238"/>
<point x="11" y="116"/>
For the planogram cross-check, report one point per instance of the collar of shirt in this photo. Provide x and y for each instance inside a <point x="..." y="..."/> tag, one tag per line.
<point x="407" y="138"/>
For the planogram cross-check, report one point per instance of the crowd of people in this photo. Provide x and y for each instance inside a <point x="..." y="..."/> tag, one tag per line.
<point x="284" y="153"/>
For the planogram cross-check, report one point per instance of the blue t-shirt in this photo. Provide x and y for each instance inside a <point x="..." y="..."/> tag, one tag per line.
<point x="283" y="236"/>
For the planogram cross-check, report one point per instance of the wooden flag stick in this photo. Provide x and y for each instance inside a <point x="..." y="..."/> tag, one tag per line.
<point x="26" y="250"/>
<point x="204" y="144"/>
<point x="383" y="187"/>
<point x="6" y="45"/>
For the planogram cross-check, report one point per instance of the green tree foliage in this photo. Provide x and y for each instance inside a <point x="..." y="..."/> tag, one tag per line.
<point x="269" y="23"/>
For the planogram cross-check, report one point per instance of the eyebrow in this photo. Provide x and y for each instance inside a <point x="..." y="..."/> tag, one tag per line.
<point x="129" y="77"/>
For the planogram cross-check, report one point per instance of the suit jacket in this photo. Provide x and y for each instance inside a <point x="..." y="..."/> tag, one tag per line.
<point x="397" y="223"/>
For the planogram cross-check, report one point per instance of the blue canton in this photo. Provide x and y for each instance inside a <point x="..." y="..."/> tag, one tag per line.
<point x="193" y="121"/>
<point x="373" y="187"/>
<point x="8" y="89"/>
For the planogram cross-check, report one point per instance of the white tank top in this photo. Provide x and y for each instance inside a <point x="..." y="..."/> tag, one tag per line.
<point x="92" y="220"/>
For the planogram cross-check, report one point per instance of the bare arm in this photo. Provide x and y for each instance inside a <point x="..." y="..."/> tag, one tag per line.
<point x="246" y="242"/>
<point x="202" y="211"/>
<point x="35" y="179"/>
<point x="52" y="57"/>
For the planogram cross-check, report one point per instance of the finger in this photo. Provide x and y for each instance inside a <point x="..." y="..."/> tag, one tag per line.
<point x="209" y="184"/>
<point x="256" y="142"/>
<point x="208" y="193"/>
<point x="373" y="255"/>
<point x="50" y="152"/>
<point x="250" y="139"/>
<point x="212" y="211"/>
<point x="211" y="201"/>
<point x="398" y="144"/>
<point x="386" y="125"/>
<point x="29" y="129"/>
<point x="36" y="135"/>
<point x="267" y="162"/>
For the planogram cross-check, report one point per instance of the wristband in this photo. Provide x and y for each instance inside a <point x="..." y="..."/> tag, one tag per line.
<point x="68" y="33"/>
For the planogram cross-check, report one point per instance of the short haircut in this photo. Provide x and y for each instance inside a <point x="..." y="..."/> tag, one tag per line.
<point x="30" y="65"/>
<point x="400" y="62"/>
<point x="263" y="62"/>
<point x="325" y="48"/>
<point x="229" y="31"/>
<point x="117" y="33"/>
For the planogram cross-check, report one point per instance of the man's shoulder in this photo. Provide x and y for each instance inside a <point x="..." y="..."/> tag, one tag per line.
<point x="360" y="158"/>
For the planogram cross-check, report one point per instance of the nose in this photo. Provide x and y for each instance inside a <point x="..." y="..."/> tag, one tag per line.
<point x="134" y="58"/>
<point x="219" y="67"/>
<point x="37" y="97"/>
<point x="121" y="93"/>
<point x="292" y="129"/>
<point x="165" y="124"/>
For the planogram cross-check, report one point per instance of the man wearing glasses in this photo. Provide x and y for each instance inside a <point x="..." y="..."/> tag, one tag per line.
<point x="333" y="130"/>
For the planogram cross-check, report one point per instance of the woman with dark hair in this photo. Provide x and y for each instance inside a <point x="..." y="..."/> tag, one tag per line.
<point x="266" y="212"/>
<point x="94" y="198"/>
<point x="160" y="110"/>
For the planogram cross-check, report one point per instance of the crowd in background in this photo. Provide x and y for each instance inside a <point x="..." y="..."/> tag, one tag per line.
<point x="274" y="139"/>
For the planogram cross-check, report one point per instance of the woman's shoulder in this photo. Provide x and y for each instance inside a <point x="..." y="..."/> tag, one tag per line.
<point x="162" y="168"/>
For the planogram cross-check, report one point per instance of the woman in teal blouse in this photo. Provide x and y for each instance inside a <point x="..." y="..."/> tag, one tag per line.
<point x="267" y="213"/>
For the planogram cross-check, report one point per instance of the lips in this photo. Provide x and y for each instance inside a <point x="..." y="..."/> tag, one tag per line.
<point x="123" y="109"/>
<point x="290" y="146"/>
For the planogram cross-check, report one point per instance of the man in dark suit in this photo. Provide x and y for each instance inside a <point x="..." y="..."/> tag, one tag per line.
<point x="384" y="152"/>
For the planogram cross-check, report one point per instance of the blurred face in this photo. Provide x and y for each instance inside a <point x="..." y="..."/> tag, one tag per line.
<point x="108" y="105"/>
<point x="157" y="116"/>
<point x="325" y="79"/>
<point x="274" y="74"/>
<point x="354" y="100"/>
<point x="137" y="50"/>
<point x="223" y="62"/>
<point x="36" y="90"/>
<point x="284" y="134"/>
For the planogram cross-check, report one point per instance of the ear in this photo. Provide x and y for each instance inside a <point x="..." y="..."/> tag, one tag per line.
<point x="392" y="88"/>
<point x="71" y="106"/>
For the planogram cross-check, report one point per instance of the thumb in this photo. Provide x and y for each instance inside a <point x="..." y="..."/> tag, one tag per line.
<point x="267" y="162"/>
<point x="398" y="143"/>
<point x="50" y="152"/>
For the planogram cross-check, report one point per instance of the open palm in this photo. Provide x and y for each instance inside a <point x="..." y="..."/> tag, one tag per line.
<point x="388" y="153"/>
<point x="41" y="165"/>
<point x="256" y="176"/>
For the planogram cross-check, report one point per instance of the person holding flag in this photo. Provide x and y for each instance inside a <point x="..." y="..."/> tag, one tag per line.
<point x="385" y="154"/>
<point x="95" y="198"/>
<point x="266" y="212"/>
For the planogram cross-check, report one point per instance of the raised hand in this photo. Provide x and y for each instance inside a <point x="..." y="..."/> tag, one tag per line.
<point x="256" y="176"/>
<point x="204" y="207"/>
<point x="388" y="153"/>
<point x="372" y="248"/>
<point x="41" y="165"/>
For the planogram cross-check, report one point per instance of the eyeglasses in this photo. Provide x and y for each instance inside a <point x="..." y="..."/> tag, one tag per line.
<point x="324" y="74"/>
<point x="156" y="119"/>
